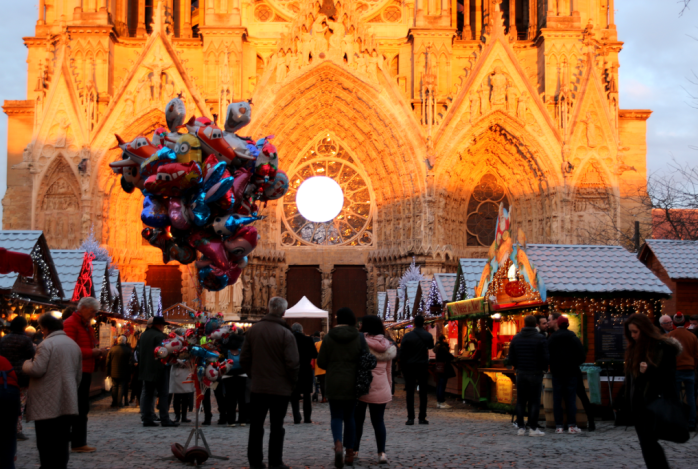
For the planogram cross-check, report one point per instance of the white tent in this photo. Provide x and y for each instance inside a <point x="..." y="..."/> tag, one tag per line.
<point x="305" y="309"/>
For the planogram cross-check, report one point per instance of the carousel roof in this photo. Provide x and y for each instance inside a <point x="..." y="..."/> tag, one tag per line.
<point x="472" y="271"/>
<point x="446" y="283"/>
<point x="592" y="269"/>
<point x="679" y="258"/>
<point x="68" y="264"/>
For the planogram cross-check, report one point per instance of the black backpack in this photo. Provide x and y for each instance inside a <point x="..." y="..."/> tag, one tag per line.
<point x="364" y="369"/>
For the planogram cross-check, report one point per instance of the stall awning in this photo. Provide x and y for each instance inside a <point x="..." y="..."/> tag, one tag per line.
<point x="305" y="309"/>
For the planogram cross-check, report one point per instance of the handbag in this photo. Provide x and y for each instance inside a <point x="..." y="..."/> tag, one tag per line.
<point x="668" y="421"/>
<point x="107" y="383"/>
<point x="364" y="369"/>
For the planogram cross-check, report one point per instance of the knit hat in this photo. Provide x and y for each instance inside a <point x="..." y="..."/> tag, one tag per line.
<point x="679" y="318"/>
<point x="563" y="322"/>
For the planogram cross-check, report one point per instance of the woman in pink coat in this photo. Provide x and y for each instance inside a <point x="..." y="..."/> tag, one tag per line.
<point x="380" y="392"/>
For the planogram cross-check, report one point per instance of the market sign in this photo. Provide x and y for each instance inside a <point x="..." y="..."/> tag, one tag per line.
<point x="460" y="309"/>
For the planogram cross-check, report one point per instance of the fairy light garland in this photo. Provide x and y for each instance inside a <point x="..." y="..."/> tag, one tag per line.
<point x="462" y="293"/>
<point x="132" y="304"/>
<point x="434" y="298"/>
<point x="44" y="273"/>
<point x="104" y="295"/>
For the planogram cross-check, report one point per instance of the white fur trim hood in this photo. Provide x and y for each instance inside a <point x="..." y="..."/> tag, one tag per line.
<point x="386" y="356"/>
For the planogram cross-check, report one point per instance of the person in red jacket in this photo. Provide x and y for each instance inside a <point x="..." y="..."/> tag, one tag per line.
<point x="78" y="327"/>
<point x="9" y="403"/>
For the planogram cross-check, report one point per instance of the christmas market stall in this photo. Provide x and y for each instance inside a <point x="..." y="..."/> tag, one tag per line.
<point x="116" y="297"/>
<point x="36" y="287"/>
<point x="132" y="304"/>
<point x="180" y="313"/>
<point x="74" y="269"/>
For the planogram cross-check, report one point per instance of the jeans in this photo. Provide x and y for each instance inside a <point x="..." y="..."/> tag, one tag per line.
<point x="307" y="407"/>
<point x="652" y="451"/>
<point x="9" y="403"/>
<point x="582" y="395"/>
<point x="528" y="386"/>
<point x="565" y="387"/>
<point x="342" y="412"/>
<point x="52" y="441"/>
<point x="417" y="375"/>
<point x="119" y="391"/>
<point x="162" y="387"/>
<point x="78" y="433"/>
<point x="376" y="411"/>
<point x="441" y="388"/>
<point x="321" y="382"/>
<point x="277" y="406"/>
<point x="235" y="399"/>
<point x="688" y="378"/>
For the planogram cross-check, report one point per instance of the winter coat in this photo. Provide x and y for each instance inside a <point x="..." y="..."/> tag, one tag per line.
<point x="381" y="390"/>
<point x="118" y="358"/>
<point x="658" y="380"/>
<point x="318" y="371"/>
<point x="181" y="369"/>
<point x="306" y="353"/>
<point x="270" y="357"/>
<point x="688" y="359"/>
<point x="55" y="375"/>
<point x="566" y="353"/>
<point x="233" y="343"/>
<point x="339" y="356"/>
<point x="444" y="355"/>
<point x="17" y="348"/>
<point x="414" y="348"/>
<point x="150" y="368"/>
<point x="83" y="334"/>
<point x="528" y="351"/>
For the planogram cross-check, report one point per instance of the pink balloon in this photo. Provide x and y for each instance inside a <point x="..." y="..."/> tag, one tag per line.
<point x="211" y="247"/>
<point x="178" y="215"/>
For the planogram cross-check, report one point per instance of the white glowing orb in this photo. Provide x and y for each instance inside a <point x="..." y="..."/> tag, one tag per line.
<point x="319" y="199"/>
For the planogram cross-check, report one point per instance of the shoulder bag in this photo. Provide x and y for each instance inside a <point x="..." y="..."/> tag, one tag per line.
<point x="364" y="369"/>
<point x="668" y="420"/>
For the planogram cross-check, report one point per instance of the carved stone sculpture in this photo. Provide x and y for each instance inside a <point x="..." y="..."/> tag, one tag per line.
<point x="499" y="87"/>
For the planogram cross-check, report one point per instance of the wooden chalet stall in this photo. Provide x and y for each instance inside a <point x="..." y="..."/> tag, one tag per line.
<point x="33" y="295"/>
<point x="596" y="287"/>
<point x="179" y="313"/>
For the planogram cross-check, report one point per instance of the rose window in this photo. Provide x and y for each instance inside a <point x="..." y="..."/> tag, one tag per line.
<point x="354" y="224"/>
<point x="483" y="209"/>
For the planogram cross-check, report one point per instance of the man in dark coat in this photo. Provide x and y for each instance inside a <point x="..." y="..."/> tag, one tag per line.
<point x="306" y="353"/>
<point x="155" y="376"/>
<point x="566" y="354"/>
<point x="119" y="370"/>
<point x="270" y="357"/>
<point x="414" y="362"/>
<point x="17" y="347"/>
<point x="528" y="354"/>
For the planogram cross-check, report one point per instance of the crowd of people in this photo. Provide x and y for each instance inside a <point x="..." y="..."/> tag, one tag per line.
<point x="352" y="368"/>
<point x="660" y="364"/>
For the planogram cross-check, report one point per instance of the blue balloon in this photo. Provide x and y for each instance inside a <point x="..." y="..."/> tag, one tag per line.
<point x="210" y="281"/>
<point x="166" y="153"/>
<point x="199" y="351"/>
<point x="200" y="211"/>
<point x="219" y="189"/>
<point x="230" y="224"/>
<point x="214" y="175"/>
<point x="154" y="213"/>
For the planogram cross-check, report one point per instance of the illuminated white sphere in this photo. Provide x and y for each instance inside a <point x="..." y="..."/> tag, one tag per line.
<point x="319" y="199"/>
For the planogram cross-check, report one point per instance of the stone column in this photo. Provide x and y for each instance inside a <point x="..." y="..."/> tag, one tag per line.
<point x="478" y="18"/>
<point x="140" y="29"/>
<point x="467" y="32"/>
<point x="512" y="19"/>
<point x="532" y="19"/>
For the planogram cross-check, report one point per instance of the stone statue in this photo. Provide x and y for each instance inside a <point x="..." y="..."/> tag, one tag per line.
<point x="567" y="166"/>
<point x="306" y="45"/>
<point x="380" y="281"/>
<point x="474" y="105"/>
<point x="265" y="289"/>
<point x="338" y="31"/>
<point x="499" y="85"/>
<point x="521" y="108"/>
<point x="271" y="283"/>
<point x="327" y="291"/>
<point x="484" y="98"/>
<point x="280" y="67"/>
<point x="61" y="138"/>
<point x="348" y="45"/>
<point x="246" y="290"/>
<point x="318" y="32"/>
<point x="257" y="286"/>
<point x="511" y="98"/>
<point x="591" y="130"/>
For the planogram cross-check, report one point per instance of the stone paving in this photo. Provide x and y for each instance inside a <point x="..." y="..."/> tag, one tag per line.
<point x="455" y="438"/>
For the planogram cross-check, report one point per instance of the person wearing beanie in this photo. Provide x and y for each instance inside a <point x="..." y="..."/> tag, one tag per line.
<point x="566" y="354"/>
<point x="666" y="324"/>
<point x="686" y="363"/>
<point x="693" y="327"/>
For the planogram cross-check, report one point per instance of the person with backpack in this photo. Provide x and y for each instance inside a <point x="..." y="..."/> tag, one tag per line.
<point x="414" y="362"/>
<point x="380" y="393"/>
<point x="339" y="356"/>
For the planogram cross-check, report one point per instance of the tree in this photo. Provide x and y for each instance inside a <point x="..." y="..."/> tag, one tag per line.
<point x="92" y="245"/>
<point x="671" y="201"/>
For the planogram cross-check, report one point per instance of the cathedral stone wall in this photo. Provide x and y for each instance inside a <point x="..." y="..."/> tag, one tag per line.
<point x="430" y="114"/>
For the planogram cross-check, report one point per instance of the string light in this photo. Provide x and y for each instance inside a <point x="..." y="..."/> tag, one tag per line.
<point x="83" y="287"/>
<point x="44" y="273"/>
<point x="132" y="305"/>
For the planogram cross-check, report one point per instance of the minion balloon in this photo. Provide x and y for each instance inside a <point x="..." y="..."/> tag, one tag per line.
<point x="188" y="148"/>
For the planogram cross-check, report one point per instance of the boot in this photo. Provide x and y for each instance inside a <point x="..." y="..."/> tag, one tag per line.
<point x="184" y="415"/>
<point x="349" y="459"/>
<point x="338" y="454"/>
<point x="176" y="419"/>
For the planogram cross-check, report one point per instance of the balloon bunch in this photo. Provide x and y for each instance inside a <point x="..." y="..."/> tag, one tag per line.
<point x="202" y="346"/>
<point x="202" y="189"/>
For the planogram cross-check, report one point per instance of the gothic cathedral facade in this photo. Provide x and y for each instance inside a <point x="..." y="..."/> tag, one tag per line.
<point x="429" y="113"/>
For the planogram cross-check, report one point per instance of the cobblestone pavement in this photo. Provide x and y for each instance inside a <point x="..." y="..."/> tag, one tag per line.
<point x="455" y="438"/>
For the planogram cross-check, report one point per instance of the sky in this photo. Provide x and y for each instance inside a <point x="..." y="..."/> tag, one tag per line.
<point x="657" y="65"/>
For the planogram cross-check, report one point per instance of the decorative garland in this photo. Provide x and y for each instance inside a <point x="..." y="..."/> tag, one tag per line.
<point x="44" y="273"/>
